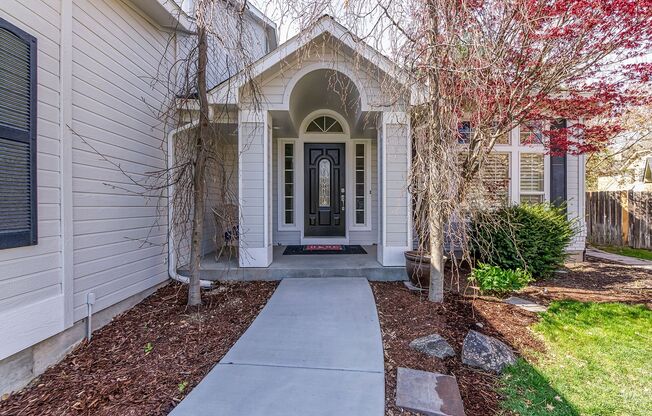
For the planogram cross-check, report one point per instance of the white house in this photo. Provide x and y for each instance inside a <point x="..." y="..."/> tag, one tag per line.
<point x="321" y="158"/>
<point x="75" y="82"/>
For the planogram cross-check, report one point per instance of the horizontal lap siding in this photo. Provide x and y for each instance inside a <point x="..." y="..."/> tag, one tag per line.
<point x="31" y="274"/>
<point x="216" y="196"/>
<point x="396" y="137"/>
<point x="575" y="200"/>
<point x="252" y="182"/>
<point x="119" y="235"/>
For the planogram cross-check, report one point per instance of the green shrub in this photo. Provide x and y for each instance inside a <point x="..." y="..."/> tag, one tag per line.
<point x="493" y="279"/>
<point x="532" y="237"/>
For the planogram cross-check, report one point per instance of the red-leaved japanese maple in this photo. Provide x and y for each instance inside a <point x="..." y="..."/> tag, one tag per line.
<point x="499" y="64"/>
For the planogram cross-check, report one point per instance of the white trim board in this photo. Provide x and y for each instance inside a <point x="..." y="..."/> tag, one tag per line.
<point x="31" y="324"/>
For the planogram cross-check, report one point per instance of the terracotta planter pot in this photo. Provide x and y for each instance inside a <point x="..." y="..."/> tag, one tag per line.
<point x="417" y="265"/>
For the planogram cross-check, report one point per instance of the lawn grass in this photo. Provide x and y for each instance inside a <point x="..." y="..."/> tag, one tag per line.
<point x="639" y="253"/>
<point x="598" y="362"/>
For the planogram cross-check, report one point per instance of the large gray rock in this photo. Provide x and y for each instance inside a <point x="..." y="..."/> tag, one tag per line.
<point x="485" y="352"/>
<point x="433" y="345"/>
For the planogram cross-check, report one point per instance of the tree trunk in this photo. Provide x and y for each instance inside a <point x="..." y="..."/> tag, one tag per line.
<point x="436" y="236"/>
<point x="199" y="182"/>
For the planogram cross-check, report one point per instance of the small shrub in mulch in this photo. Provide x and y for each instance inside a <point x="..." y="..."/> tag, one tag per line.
<point x="146" y="360"/>
<point x="496" y="280"/>
<point x="532" y="237"/>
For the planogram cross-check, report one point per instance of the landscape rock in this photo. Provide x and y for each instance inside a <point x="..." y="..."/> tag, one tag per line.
<point x="434" y="346"/>
<point x="427" y="393"/>
<point x="525" y="304"/>
<point x="487" y="353"/>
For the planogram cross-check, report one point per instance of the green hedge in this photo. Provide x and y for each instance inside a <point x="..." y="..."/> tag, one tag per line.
<point x="532" y="237"/>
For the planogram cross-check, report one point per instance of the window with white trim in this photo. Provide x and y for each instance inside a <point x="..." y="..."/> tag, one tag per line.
<point x="288" y="183"/>
<point x="495" y="178"/>
<point x="324" y="124"/>
<point x="18" y="222"/>
<point x="360" y="185"/>
<point x="532" y="178"/>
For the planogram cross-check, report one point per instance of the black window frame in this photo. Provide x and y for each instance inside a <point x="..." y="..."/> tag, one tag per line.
<point x="25" y="237"/>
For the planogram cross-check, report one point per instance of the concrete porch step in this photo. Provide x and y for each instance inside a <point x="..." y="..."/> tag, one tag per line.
<point x="272" y="273"/>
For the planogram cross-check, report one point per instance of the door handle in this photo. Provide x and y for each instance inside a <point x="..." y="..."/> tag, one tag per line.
<point x="342" y="199"/>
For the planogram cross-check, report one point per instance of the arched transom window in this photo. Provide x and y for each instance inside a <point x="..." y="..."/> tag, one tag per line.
<point x="324" y="124"/>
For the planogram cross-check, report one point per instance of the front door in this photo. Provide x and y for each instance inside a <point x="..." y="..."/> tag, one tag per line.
<point x="325" y="190"/>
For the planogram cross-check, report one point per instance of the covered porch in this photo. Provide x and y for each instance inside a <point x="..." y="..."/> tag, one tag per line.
<point x="319" y="156"/>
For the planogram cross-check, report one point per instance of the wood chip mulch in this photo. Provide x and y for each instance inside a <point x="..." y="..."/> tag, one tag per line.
<point x="596" y="281"/>
<point x="147" y="359"/>
<point x="405" y="316"/>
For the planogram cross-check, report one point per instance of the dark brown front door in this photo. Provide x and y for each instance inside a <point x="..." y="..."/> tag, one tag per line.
<point x="324" y="190"/>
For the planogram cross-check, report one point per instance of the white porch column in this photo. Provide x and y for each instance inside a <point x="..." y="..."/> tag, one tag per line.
<point x="254" y="180"/>
<point x="395" y="201"/>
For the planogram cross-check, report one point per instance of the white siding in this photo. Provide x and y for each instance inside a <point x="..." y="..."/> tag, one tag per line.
<point x="575" y="197"/>
<point x="252" y="185"/>
<point x="31" y="277"/>
<point x="119" y="235"/>
<point x="396" y="171"/>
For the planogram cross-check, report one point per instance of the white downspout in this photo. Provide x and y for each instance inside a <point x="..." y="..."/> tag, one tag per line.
<point x="172" y="259"/>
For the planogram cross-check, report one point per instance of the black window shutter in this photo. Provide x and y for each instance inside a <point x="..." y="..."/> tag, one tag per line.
<point x="18" y="224"/>
<point x="558" y="175"/>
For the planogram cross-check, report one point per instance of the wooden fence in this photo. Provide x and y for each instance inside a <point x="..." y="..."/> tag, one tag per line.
<point x="620" y="218"/>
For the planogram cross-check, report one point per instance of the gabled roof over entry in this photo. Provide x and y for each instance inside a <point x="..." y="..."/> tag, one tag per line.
<point x="227" y="91"/>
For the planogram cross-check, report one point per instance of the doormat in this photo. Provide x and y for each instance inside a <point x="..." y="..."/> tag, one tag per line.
<point x="324" y="249"/>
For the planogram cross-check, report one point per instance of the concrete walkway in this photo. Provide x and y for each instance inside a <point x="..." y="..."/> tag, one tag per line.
<point x="315" y="349"/>
<point x="629" y="261"/>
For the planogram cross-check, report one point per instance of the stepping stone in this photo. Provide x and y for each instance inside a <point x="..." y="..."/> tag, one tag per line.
<point x="427" y="393"/>
<point x="434" y="346"/>
<point x="525" y="304"/>
<point x="487" y="353"/>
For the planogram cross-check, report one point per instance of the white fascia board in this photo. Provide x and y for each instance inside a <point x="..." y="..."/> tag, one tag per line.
<point x="166" y="13"/>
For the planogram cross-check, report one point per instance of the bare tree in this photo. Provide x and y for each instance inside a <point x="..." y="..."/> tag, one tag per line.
<point x="221" y="47"/>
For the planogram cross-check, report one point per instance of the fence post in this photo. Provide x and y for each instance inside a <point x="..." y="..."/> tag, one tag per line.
<point x="624" y="210"/>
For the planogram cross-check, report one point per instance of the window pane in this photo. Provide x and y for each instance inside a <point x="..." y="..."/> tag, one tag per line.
<point x="495" y="177"/>
<point x="288" y="181"/>
<point x="360" y="183"/>
<point x="464" y="132"/>
<point x="530" y="133"/>
<point x="324" y="124"/>
<point x="532" y="177"/>
<point x="324" y="183"/>
<point x="531" y="199"/>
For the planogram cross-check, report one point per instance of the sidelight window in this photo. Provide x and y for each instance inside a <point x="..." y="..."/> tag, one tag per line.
<point x="288" y="183"/>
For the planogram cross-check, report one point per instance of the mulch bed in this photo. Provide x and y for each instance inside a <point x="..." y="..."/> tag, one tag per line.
<point x="406" y="315"/>
<point x="595" y="281"/>
<point x="136" y="364"/>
